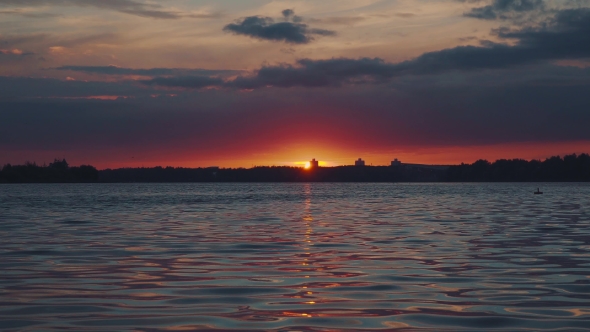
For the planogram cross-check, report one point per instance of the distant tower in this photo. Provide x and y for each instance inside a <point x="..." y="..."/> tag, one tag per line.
<point x="314" y="163"/>
<point x="396" y="162"/>
<point x="359" y="162"/>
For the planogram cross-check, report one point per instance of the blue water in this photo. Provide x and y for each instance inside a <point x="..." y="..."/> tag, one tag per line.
<point x="295" y="257"/>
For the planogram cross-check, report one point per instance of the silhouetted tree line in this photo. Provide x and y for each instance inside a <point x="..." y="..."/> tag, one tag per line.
<point x="272" y="174"/>
<point x="568" y="168"/>
<point x="57" y="172"/>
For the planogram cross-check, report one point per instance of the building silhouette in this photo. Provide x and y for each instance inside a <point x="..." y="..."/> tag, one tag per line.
<point x="314" y="163"/>
<point x="359" y="162"/>
<point x="396" y="162"/>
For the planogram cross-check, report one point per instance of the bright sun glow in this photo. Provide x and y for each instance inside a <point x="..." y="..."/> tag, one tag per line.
<point x="307" y="165"/>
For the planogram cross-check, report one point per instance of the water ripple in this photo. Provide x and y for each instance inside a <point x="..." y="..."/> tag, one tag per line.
<point x="295" y="257"/>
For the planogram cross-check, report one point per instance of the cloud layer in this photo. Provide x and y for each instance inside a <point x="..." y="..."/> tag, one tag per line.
<point x="565" y="36"/>
<point x="114" y="70"/>
<point x="469" y="108"/>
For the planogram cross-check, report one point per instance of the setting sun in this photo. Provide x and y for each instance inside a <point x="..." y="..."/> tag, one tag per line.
<point x="307" y="165"/>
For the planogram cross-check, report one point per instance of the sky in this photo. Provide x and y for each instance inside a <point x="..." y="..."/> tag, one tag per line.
<point x="240" y="83"/>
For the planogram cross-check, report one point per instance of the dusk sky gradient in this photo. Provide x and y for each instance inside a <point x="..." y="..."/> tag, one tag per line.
<point x="237" y="83"/>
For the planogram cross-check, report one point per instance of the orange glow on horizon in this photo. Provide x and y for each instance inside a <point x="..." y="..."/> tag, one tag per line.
<point x="329" y="156"/>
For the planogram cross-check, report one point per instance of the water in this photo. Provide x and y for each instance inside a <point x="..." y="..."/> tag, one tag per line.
<point x="294" y="257"/>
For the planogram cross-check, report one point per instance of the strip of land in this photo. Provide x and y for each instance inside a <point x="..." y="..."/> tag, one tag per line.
<point x="571" y="168"/>
<point x="554" y="169"/>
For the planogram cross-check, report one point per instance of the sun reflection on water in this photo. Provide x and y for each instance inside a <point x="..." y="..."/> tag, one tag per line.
<point x="307" y="241"/>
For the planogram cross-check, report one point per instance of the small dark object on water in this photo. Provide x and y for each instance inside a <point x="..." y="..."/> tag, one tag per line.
<point x="538" y="192"/>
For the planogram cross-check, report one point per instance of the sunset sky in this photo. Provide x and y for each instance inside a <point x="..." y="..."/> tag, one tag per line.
<point x="237" y="83"/>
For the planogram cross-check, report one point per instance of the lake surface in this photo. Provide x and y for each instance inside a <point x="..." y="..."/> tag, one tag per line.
<point x="295" y="257"/>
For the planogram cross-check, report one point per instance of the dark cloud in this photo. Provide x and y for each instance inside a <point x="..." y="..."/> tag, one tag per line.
<point x="504" y="9"/>
<point x="287" y="13"/>
<point x="25" y="88"/>
<point x="16" y="40"/>
<point x="317" y="73"/>
<point x="565" y="36"/>
<point x="190" y="82"/>
<point x="306" y="73"/>
<point x="114" y="70"/>
<point x="290" y="31"/>
<point x="131" y="7"/>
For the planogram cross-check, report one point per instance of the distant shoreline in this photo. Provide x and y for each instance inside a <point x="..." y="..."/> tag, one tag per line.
<point x="571" y="168"/>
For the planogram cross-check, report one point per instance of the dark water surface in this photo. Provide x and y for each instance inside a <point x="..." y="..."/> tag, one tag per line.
<point x="295" y="257"/>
